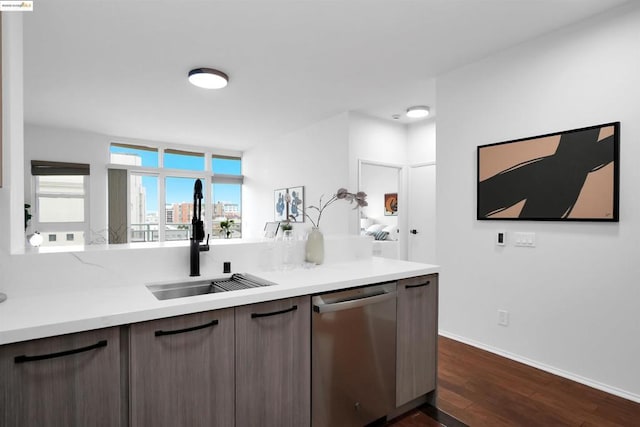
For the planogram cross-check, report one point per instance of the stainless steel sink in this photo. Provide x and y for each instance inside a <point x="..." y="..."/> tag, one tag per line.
<point x="235" y="282"/>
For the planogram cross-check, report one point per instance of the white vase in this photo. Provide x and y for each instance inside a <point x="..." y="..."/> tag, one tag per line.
<point x="315" y="246"/>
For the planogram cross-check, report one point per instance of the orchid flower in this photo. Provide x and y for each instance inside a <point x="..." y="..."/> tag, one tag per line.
<point x="360" y="199"/>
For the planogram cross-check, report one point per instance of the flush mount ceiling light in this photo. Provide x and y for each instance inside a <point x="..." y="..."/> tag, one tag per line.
<point x="418" y="112"/>
<point x="208" y="78"/>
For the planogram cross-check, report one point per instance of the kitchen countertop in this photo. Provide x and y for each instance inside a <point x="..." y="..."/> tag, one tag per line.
<point x="57" y="312"/>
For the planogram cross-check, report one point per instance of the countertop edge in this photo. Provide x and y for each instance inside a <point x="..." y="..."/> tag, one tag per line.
<point x="151" y="309"/>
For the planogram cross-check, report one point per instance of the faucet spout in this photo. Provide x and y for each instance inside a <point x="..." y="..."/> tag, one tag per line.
<point x="197" y="231"/>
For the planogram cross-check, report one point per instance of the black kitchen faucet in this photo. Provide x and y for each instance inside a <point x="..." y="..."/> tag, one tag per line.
<point x="197" y="230"/>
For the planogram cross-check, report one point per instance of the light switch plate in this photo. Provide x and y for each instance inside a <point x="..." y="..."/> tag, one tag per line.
<point x="527" y="240"/>
<point x="501" y="238"/>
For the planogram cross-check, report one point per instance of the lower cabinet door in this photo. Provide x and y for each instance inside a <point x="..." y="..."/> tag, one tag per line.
<point x="273" y="364"/>
<point x="182" y="371"/>
<point x="70" y="380"/>
<point x="417" y="337"/>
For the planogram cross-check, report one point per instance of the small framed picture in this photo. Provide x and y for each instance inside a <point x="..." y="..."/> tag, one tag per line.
<point x="296" y="205"/>
<point x="271" y="229"/>
<point x="391" y="204"/>
<point x="280" y="204"/>
<point x="289" y="204"/>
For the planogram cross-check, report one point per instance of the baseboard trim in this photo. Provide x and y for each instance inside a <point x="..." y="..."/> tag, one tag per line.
<point x="552" y="370"/>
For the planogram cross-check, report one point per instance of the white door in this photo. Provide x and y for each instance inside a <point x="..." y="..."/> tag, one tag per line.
<point x="422" y="214"/>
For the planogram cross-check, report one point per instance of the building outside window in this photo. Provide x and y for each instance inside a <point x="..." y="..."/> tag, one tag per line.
<point x="61" y="208"/>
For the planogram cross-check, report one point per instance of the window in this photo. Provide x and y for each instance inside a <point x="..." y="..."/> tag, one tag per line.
<point x="226" y="192"/>
<point x="61" y="206"/>
<point x="179" y="207"/>
<point x="226" y="165"/>
<point x="161" y="197"/>
<point x="187" y="160"/>
<point x="143" y="207"/>
<point x="125" y="154"/>
<point x="227" y="206"/>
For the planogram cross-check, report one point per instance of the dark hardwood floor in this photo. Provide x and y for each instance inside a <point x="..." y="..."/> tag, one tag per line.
<point x="482" y="389"/>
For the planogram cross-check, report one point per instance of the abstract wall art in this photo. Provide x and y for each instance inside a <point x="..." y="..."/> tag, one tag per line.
<point x="564" y="176"/>
<point x="289" y="204"/>
<point x="391" y="204"/>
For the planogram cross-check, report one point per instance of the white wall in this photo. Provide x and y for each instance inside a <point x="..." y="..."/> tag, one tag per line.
<point x="574" y="298"/>
<point x="314" y="157"/>
<point x="421" y="142"/>
<point x="11" y="194"/>
<point x="67" y="145"/>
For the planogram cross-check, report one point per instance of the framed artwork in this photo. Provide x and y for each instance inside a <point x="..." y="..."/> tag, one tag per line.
<point x="565" y="176"/>
<point x="289" y="204"/>
<point x="271" y="229"/>
<point x="391" y="204"/>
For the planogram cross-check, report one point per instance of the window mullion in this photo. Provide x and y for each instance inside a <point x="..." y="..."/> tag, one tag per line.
<point x="162" y="209"/>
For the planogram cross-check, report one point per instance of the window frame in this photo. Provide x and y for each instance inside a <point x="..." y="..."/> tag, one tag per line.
<point x="59" y="226"/>
<point x="207" y="176"/>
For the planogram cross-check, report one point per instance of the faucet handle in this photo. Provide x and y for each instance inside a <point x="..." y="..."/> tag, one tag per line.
<point x="205" y="247"/>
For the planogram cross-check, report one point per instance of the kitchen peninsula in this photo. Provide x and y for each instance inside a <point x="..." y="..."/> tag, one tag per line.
<point x="117" y="354"/>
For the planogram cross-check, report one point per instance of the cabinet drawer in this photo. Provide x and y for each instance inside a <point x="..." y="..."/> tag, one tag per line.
<point x="273" y="363"/>
<point x="182" y="370"/>
<point x="68" y="380"/>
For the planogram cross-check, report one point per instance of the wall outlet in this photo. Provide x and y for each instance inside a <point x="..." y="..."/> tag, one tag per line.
<point x="503" y="318"/>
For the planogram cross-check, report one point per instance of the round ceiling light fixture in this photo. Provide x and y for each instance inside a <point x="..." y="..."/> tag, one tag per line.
<point x="208" y="78"/>
<point x="418" y="112"/>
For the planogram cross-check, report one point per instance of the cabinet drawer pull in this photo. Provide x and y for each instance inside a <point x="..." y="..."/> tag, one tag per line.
<point x="23" y="358"/>
<point x="419" y="286"/>
<point x="193" y="328"/>
<point x="293" y="308"/>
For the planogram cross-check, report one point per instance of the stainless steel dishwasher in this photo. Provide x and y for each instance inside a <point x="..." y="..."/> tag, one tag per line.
<point x="353" y="356"/>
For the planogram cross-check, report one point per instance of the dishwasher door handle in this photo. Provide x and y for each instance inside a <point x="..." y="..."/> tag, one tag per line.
<point x="354" y="303"/>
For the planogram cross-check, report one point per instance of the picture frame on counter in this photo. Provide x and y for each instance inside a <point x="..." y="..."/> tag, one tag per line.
<point x="271" y="229"/>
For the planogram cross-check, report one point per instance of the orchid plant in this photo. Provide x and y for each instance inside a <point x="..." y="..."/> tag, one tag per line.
<point x="360" y="199"/>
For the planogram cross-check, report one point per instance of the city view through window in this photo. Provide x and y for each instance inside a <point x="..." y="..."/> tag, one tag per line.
<point x="221" y="203"/>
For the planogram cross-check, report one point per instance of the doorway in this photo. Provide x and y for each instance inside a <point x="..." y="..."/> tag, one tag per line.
<point x="386" y="206"/>
<point x="422" y="213"/>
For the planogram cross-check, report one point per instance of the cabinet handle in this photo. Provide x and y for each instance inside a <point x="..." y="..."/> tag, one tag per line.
<point x="273" y="313"/>
<point x="23" y="358"/>
<point x="193" y="328"/>
<point x="354" y="303"/>
<point x="419" y="285"/>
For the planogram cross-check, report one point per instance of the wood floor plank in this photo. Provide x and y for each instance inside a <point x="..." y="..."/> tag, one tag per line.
<point x="505" y="392"/>
<point x="454" y="398"/>
<point x="482" y="389"/>
<point x="416" y="419"/>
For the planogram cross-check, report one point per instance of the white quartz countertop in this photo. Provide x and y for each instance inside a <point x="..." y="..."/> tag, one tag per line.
<point x="74" y="309"/>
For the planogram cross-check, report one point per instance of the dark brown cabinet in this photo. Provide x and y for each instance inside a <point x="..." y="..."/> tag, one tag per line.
<point x="70" y="380"/>
<point x="417" y="337"/>
<point x="244" y="366"/>
<point x="273" y="363"/>
<point x="182" y="371"/>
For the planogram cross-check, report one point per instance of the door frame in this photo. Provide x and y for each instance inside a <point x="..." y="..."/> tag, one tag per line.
<point x="402" y="201"/>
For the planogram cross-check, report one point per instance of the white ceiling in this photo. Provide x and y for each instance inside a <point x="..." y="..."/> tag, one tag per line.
<point x="120" y="67"/>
